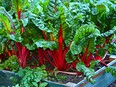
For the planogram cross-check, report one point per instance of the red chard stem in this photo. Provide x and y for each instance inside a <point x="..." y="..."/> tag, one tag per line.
<point x="19" y="14"/>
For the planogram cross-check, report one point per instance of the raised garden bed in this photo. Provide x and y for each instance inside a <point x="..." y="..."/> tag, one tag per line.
<point x="101" y="77"/>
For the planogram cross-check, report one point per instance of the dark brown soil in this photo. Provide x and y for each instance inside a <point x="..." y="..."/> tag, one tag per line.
<point x="65" y="78"/>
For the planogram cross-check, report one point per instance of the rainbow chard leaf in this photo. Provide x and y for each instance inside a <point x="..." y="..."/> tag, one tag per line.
<point x="82" y="36"/>
<point x="45" y="44"/>
<point x="5" y="20"/>
<point x="18" y="7"/>
<point x="88" y="72"/>
<point x="41" y="25"/>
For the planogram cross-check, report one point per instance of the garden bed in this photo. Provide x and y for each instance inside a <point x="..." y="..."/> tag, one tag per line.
<point x="63" y="79"/>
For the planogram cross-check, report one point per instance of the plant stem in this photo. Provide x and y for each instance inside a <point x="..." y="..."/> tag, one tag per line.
<point x="105" y="55"/>
<point x="70" y="73"/>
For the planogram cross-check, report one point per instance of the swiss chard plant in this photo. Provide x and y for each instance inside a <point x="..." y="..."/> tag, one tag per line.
<point x="61" y="33"/>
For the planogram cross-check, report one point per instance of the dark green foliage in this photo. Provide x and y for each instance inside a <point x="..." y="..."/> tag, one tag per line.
<point x="112" y="70"/>
<point x="6" y="4"/>
<point x="32" y="77"/>
<point x="85" y="33"/>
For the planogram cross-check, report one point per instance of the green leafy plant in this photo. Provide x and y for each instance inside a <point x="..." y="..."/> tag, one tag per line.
<point x="11" y="64"/>
<point x="32" y="77"/>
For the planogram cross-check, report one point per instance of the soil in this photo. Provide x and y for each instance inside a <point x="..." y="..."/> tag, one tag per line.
<point x="65" y="78"/>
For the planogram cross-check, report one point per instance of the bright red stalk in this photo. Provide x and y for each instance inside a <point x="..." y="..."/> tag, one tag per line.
<point x="22" y="54"/>
<point x="41" y="57"/>
<point x="52" y="54"/>
<point x="60" y="50"/>
<point x="22" y="30"/>
<point x="88" y="60"/>
<point x="83" y="58"/>
<point x="19" y="14"/>
<point x="101" y="60"/>
<point x="56" y="57"/>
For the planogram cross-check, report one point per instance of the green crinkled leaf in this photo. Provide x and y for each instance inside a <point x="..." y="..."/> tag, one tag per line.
<point x="30" y="46"/>
<point x="102" y="8"/>
<point x="52" y="9"/>
<point x="88" y="72"/>
<point x="2" y="48"/>
<point x="85" y="34"/>
<point x="86" y="31"/>
<point x="75" y="49"/>
<point x="80" y="66"/>
<point x="101" y="52"/>
<point x="16" y="38"/>
<point x="35" y="7"/>
<point x="41" y="25"/>
<point x="45" y="44"/>
<point x="109" y="32"/>
<point x="70" y="57"/>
